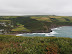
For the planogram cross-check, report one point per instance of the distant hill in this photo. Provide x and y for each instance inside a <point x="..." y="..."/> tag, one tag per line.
<point x="38" y="23"/>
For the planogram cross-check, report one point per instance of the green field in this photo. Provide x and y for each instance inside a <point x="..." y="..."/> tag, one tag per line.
<point x="20" y="28"/>
<point x="4" y="20"/>
<point x="10" y="44"/>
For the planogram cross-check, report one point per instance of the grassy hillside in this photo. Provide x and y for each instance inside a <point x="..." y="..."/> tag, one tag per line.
<point x="34" y="45"/>
<point x="35" y="23"/>
<point x="20" y="28"/>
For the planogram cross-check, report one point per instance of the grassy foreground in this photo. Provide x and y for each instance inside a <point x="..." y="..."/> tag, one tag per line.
<point x="34" y="45"/>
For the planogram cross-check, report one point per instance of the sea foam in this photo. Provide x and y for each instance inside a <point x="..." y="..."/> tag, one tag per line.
<point x="41" y="34"/>
<point x="19" y="34"/>
<point x="33" y="34"/>
<point x="55" y="29"/>
<point x="51" y="33"/>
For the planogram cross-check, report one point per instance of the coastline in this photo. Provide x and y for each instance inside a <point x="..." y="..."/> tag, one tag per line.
<point x="51" y="30"/>
<point x="46" y="33"/>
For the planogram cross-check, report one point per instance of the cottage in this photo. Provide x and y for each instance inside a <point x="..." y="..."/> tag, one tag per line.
<point x="2" y="24"/>
<point x="1" y="31"/>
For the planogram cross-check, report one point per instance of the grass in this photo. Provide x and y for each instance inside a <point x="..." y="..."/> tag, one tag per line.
<point x="70" y="19"/>
<point x="5" y="21"/>
<point x="36" y="23"/>
<point x="7" y="17"/>
<point x="42" y="19"/>
<point x="34" y="45"/>
<point x="47" y="18"/>
<point x="61" y="19"/>
<point x="20" y="28"/>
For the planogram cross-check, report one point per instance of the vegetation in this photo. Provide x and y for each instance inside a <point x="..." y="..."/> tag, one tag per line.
<point x="34" y="23"/>
<point x="4" y="20"/>
<point x="20" y="28"/>
<point x="10" y="44"/>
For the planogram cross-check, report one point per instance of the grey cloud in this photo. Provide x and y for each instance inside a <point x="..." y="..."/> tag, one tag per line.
<point x="35" y="7"/>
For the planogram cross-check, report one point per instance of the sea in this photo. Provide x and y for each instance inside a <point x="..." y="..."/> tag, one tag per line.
<point x="64" y="31"/>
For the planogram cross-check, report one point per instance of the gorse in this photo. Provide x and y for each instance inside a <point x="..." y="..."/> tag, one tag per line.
<point x="10" y="44"/>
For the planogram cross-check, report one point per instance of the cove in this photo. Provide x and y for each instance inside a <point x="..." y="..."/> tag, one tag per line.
<point x="64" y="31"/>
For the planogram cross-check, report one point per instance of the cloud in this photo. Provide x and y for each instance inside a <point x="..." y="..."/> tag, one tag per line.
<point x="29" y="7"/>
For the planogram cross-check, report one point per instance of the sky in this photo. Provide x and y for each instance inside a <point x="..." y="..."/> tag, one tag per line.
<point x="36" y="7"/>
